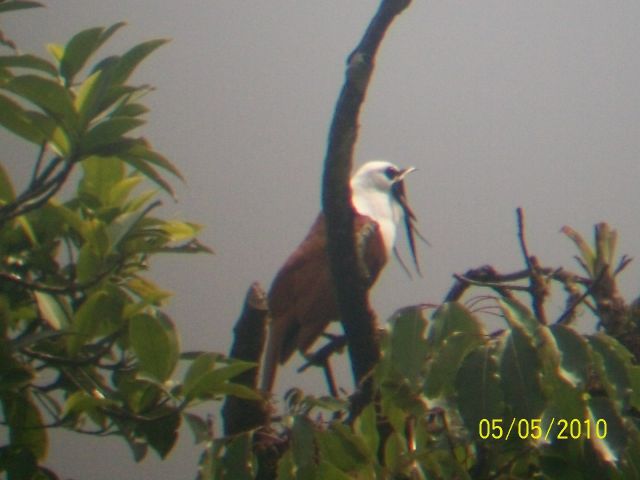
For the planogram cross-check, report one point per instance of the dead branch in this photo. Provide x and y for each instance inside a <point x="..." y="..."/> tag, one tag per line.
<point x="241" y="415"/>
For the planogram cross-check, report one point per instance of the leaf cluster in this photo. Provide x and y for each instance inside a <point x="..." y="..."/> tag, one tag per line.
<point x="530" y="400"/>
<point x="85" y="343"/>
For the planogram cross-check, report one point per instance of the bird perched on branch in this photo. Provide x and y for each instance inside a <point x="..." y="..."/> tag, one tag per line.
<point x="302" y="301"/>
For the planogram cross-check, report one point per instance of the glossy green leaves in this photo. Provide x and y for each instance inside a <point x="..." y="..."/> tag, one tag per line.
<point x="85" y="344"/>
<point x="155" y="341"/>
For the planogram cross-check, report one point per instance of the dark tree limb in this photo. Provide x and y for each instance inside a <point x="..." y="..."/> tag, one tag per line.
<point x="357" y="317"/>
<point x="241" y="415"/>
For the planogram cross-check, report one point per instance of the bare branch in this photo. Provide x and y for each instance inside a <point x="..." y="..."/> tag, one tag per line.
<point x="537" y="283"/>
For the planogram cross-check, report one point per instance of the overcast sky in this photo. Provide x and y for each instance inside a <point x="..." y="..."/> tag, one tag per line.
<point x="499" y="104"/>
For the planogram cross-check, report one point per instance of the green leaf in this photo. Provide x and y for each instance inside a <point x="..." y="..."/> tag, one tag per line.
<point x="103" y="308"/>
<point x="18" y="5"/>
<point x="53" y="310"/>
<point x="520" y="317"/>
<point x="199" y="427"/>
<point x="575" y="355"/>
<point x="147" y="290"/>
<point x="79" y="403"/>
<point x="202" y="365"/>
<point x="145" y="152"/>
<point x="130" y="60"/>
<point x="611" y="447"/>
<point x="478" y="390"/>
<point x="408" y="344"/>
<point x="122" y="226"/>
<point x="28" y="61"/>
<point x="95" y="232"/>
<point x="108" y="132"/>
<point x="25" y="424"/>
<point x="328" y="470"/>
<point x="130" y="110"/>
<point x="122" y="189"/>
<point x="161" y="433"/>
<point x="58" y="137"/>
<point x="616" y="359"/>
<point x="141" y="395"/>
<point x="366" y="426"/>
<point x="149" y="172"/>
<point x="634" y="379"/>
<point x="565" y="401"/>
<point x="286" y="467"/>
<point x="100" y="174"/>
<point x="81" y="47"/>
<point x="331" y="404"/>
<point x="446" y="361"/>
<point x="89" y="264"/>
<point x="89" y="95"/>
<point x="395" y="452"/>
<point x="15" y="119"/>
<point x="340" y="447"/>
<point x="559" y="467"/>
<point x="179" y="231"/>
<point x="50" y="96"/>
<point x="520" y="376"/>
<point x="303" y="445"/>
<point x="205" y="384"/>
<point x="56" y="51"/>
<point x="236" y="463"/>
<point x="155" y="342"/>
<point x="452" y="317"/>
<point x="234" y="389"/>
<point x="7" y="193"/>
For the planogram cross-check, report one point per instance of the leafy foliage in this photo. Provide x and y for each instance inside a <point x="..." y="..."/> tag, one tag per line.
<point x="84" y="342"/>
<point x="530" y="400"/>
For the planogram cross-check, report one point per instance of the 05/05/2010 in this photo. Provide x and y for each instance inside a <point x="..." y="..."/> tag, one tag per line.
<point x="565" y="429"/>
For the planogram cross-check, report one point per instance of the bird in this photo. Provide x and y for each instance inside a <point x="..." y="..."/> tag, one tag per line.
<point x="301" y="299"/>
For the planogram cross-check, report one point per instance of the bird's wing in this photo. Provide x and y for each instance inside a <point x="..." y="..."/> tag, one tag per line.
<point x="302" y="300"/>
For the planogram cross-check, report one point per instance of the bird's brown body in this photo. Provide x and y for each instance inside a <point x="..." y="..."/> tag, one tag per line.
<point x="302" y="301"/>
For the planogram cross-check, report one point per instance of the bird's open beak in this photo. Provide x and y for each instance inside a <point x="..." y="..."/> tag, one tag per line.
<point x="404" y="173"/>
<point x="399" y="191"/>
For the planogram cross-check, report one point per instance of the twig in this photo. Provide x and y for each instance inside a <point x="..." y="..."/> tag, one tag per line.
<point x="54" y="289"/>
<point x="36" y="168"/>
<point x="537" y="284"/>
<point x="104" y="346"/>
<point x="569" y="311"/>
<point x="320" y="356"/>
<point x="24" y="204"/>
<point x="624" y="261"/>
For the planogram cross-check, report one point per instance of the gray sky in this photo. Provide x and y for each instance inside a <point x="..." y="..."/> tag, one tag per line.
<point x="499" y="104"/>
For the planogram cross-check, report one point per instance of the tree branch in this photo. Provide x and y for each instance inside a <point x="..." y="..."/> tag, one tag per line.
<point x="357" y="317"/>
<point x="537" y="284"/>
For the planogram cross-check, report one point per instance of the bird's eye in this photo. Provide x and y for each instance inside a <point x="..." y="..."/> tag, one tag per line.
<point x="391" y="173"/>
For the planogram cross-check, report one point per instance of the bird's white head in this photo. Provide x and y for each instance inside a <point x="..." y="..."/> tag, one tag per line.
<point x="378" y="192"/>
